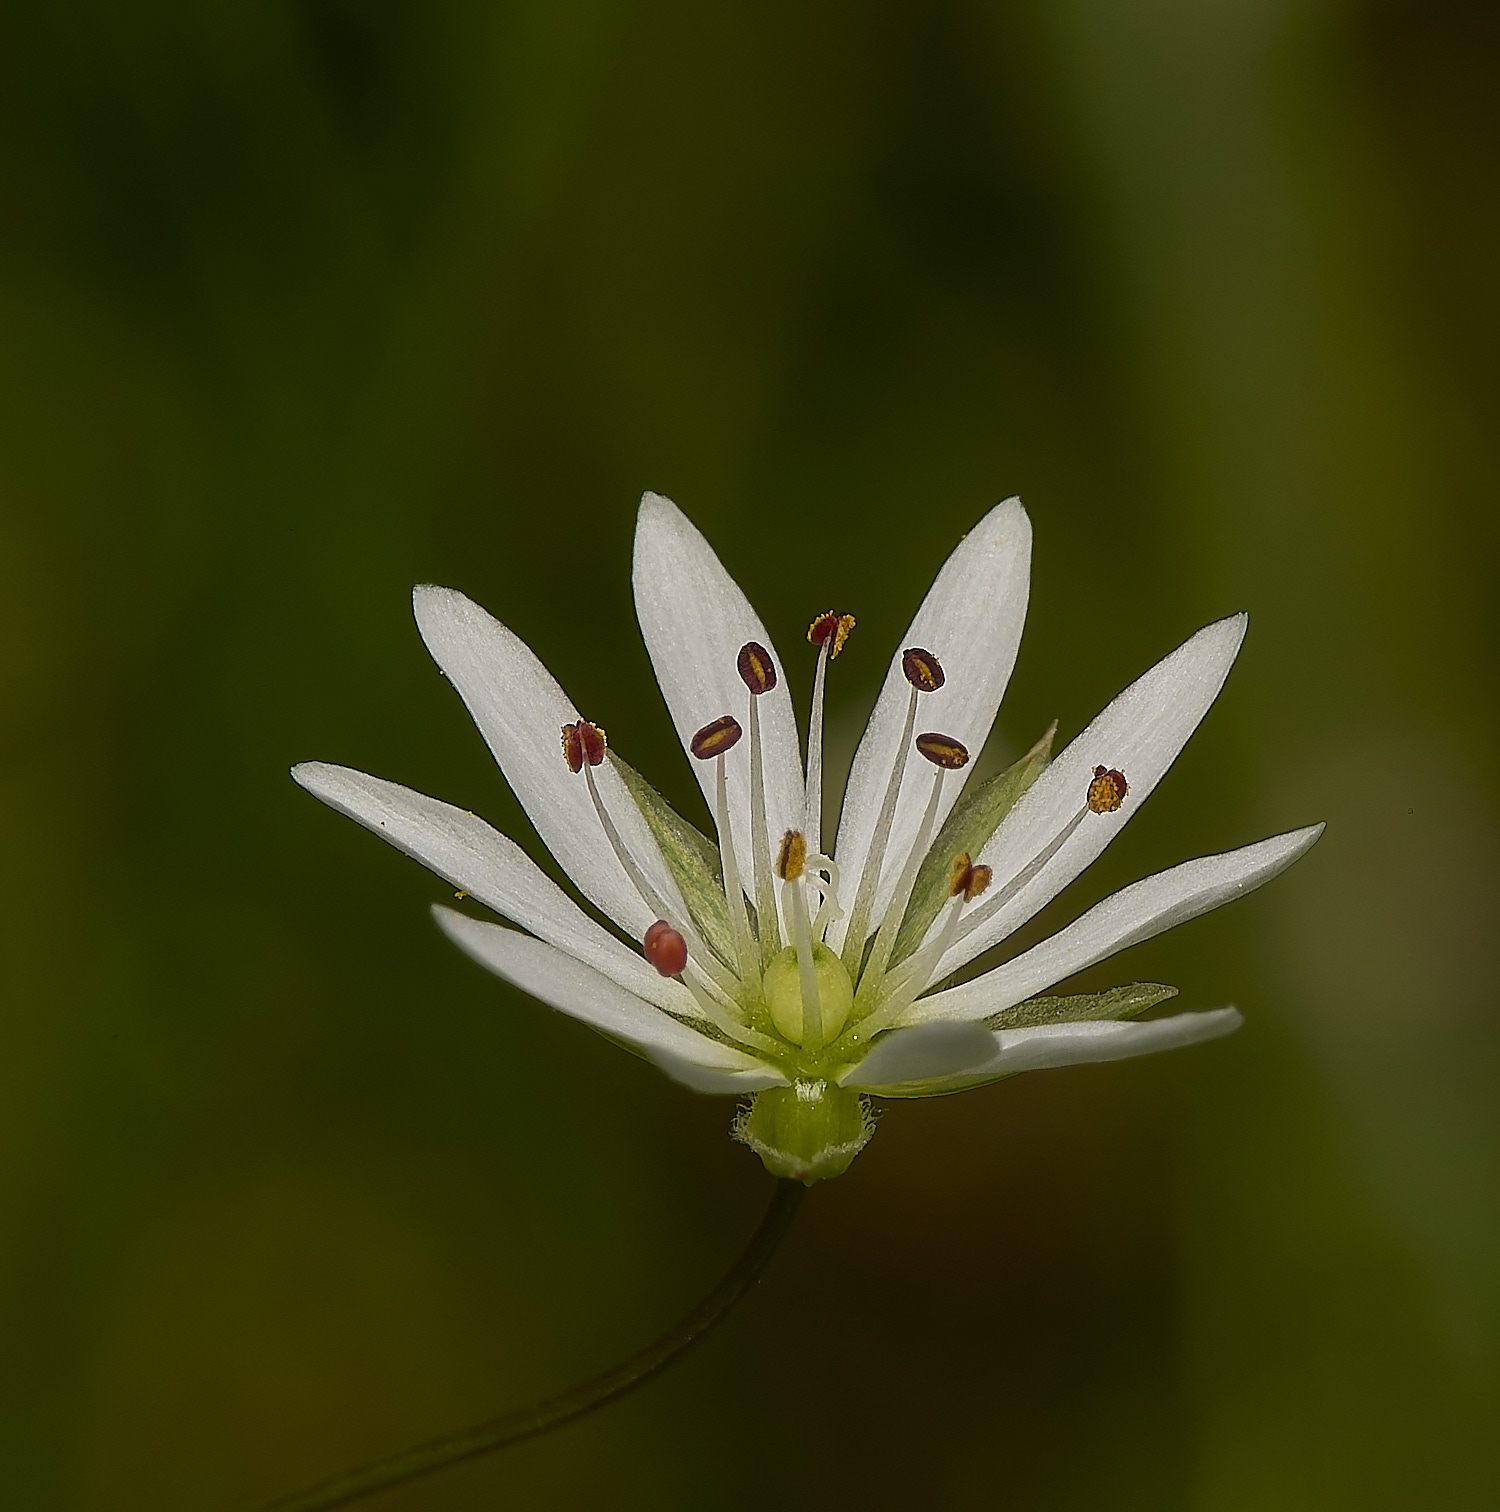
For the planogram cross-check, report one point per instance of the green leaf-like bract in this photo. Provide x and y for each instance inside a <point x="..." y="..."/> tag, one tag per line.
<point x="975" y="817"/>
<point x="1117" y="1003"/>
<point x="691" y="857"/>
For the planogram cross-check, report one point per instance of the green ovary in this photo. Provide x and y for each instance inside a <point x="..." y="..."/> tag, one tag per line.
<point x="783" y="988"/>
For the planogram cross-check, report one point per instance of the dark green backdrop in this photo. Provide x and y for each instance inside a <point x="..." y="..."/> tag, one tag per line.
<point x="303" y="303"/>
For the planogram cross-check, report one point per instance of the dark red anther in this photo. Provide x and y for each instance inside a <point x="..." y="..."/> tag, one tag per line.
<point x="943" y="750"/>
<point x="1107" y="791"/>
<point x="757" y="670"/>
<point x="582" y="742"/>
<point x="830" y="629"/>
<point x="665" y="948"/>
<point x="922" y="670"/>
<point x="716" y="738"/>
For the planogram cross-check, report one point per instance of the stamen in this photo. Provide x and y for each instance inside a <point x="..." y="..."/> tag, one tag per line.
<point x="832" y="630"/>
<point x="947" y="754"/>
<point x="757" y="670"/>
<point x="943" y="751"/>
<point x="710" y="743"/>
<point x="759" y="675"/>
<point x="965" y="883"/>
<point x="582" y="742"/>
<point x="922" y="671"/>
<point x="665" y="948"/>
<point x="1107" y="791"/>
<point x="828" y="633"/>
<point x="716" y="738"/>
<point x="790" y="860"/>
<point x="792" y="856"/>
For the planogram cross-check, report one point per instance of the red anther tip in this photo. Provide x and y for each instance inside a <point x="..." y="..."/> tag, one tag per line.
<point x="757" y="670"/>
<point x="830" y="629"/>
<point x="1107" y="791"/>
<point x="943" y="750"/>
<point x="922" y="670"/>
<point x="716" y="738"/>
<point x="665" y="948"/>
<point x="582" y="742"/>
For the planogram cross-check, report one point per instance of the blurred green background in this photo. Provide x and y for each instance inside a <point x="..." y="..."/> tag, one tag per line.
<point x="302" y="303"/>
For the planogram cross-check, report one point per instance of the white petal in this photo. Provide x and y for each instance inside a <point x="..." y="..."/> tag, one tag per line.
<point x="694" y="619"/>
<point x="520" y="710"/>
<point x="1133" y="914"/>
<point x="581" y="992"/>
<point x="1140" y="733"/>
<point x="492" y="868"/>
<point x="705" y="1079"/>
<point x="1080" y="1044"/>
<point x="971" y="621"/>
<point x="927" y="1052"/>
<point x="1077" y="1044"/>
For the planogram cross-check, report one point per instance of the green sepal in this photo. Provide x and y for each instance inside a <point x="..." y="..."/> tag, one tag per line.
<point x="691" y="857"/>
<point x="1117" y="1003"/>
<point x="809" y="1131"/>
<point x="975" y="817"/>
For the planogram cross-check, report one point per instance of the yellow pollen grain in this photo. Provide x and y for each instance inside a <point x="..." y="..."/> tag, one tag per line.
<point x="792" y="856"/>
<point x="977" y="882"/>
<point x="958" y="874"/>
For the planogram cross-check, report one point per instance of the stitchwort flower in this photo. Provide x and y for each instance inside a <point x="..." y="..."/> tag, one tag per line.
<point x="767" y="964"/>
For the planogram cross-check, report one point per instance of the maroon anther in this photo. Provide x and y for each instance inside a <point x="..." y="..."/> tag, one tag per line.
<point x="922" y="670"/>
<point x="943" y="750"/>
<point x="665" y="948"/>
<point x="582" y="742"/>
<point x="757" y="670"/>
<point x="830" y="629"/>
<point x="716" y="738"/>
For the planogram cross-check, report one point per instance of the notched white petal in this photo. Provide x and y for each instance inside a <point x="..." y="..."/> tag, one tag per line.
<point x="695" y="619"/>
<point x="462" y="848"/>
<point x="583" y="993"/>
<point x="923" y="1053"/>
<point x="971" y="620"/>
<point x="520" y="709"/>
<point x="1125" y="918"/>
<point x="1140" y="733"/>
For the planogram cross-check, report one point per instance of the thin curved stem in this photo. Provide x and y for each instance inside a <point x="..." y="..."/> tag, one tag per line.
<point x="576" y="1401"/>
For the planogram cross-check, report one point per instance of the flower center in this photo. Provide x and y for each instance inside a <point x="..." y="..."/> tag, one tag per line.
<point x="784" y="999"/>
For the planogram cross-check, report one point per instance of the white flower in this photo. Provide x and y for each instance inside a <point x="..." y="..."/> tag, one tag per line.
<point x="924" y="875"/>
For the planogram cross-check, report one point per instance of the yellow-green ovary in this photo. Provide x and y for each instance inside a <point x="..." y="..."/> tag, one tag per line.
<point x="783" y="985"/>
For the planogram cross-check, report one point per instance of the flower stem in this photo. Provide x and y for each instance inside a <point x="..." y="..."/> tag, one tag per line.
<point x="576" y="1401"/>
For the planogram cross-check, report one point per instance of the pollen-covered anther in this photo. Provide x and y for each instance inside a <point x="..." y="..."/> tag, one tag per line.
<point x="922" y="669"/>
<point x="792" y="857"/>
<point x="967" y="880"/>
<point x="1107" y="791"/>
<point x="582" y="742"/>
<point x="716" y="738"/>
<point x="757" y="670"/>
<point x="665" y="948"/>
<point x="830" y="629"/>
<point x="943" y="750"/>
